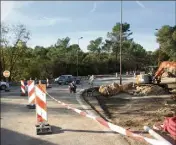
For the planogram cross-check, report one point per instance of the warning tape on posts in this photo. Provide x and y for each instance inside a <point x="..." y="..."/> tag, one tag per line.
<point x="113" y="127"/>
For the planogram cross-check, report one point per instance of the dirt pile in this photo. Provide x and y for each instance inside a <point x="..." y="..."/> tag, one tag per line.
<point x="127" y="87"/>
<point x="114" y="88"/>
<point x="109" y="90"/>
<point x="149" y="90"/>
<point x="166" y="111"/>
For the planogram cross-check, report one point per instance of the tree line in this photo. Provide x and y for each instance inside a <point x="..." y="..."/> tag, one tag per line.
<point x="60" y="58"/>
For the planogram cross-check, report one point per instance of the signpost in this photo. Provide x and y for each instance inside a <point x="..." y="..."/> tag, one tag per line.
<point x="6" y="74"/>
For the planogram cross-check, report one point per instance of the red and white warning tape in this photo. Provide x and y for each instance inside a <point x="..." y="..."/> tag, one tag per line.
<point x="113" y="127"/>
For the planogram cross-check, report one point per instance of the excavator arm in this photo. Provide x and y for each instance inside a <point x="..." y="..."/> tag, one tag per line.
<point x="163" y="66"/>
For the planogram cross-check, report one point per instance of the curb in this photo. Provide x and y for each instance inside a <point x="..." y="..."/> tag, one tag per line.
<point x="92" y="106"/>
<point x="84" y="104"/>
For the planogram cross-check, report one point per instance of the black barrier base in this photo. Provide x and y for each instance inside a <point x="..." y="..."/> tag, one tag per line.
<point x="7" y="90"/>
<point x="31" y="106"/>
<point x="43" y="129"/>
<point x="26" y="94"/>
<point x="23" y="95"/>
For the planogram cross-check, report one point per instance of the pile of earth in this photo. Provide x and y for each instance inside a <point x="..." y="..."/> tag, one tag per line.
<point x="150" y="90"/>
<point x="114" y="89"/>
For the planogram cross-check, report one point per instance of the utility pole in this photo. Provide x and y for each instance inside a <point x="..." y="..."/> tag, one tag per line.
<point x="78" y="55"/>
<point x="121" y="43"/>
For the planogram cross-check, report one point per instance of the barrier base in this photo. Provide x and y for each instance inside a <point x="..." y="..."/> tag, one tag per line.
<point x="43" y="129"/>
<point x="7" y="90"/>
<point x="23" y="95"/>
<point x="30" y="106"/>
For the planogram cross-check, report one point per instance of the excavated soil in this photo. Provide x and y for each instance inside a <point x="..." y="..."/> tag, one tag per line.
<point x="137" y="90"/>
<point x="150" y="90"/>
<point x="134" y="114"/>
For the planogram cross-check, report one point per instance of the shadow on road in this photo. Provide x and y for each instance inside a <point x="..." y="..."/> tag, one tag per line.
<point x="57" y="130"/>
<point x="21" y="108"/>
<point x="9" y="137"/>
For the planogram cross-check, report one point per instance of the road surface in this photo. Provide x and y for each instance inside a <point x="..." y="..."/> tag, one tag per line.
<point x="69" y="128"/>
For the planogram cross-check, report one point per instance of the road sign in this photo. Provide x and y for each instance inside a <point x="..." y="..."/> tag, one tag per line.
<point x="6" y="73"/>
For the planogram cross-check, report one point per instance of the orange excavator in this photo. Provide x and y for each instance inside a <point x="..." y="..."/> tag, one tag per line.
<point x="155" y="77"/>
<point x="169" y="66"/>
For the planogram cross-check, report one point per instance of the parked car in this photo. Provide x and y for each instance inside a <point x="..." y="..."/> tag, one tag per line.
<point x="66" y="79"/>
<point x="77" y="80"/>
<point x="3" y="85"/>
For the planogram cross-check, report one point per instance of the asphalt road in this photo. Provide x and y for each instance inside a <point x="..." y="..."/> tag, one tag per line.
<point x="69" y="128"/>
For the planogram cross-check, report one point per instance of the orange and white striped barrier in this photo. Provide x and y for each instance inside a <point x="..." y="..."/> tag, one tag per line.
<point x="23" y="90"/>
<point x="31" y="94"/>
<point x="47" y="84"/>
<point x="42" y="126"/>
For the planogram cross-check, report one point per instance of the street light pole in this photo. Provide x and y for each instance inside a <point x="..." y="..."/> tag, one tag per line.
<point x="121" y="43"/>
<point x="77" y="54"/>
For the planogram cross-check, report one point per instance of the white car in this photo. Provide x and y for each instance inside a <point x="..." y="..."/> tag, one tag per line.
<point x="3" y="85"/>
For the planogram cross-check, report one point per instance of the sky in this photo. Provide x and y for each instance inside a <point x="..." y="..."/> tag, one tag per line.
<point x="49" y="20"/>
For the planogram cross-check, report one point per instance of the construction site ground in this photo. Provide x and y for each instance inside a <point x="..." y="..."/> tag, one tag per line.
<point x="69" y="128"/>
<point x="133" y="112"/>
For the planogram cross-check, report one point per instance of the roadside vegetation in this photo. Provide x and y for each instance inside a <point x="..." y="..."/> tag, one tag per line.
<point x="60" y="58"/>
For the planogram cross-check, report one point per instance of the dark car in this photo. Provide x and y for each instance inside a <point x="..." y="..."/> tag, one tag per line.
<point x="66" y="79"/>
<point x="77" y="80"/>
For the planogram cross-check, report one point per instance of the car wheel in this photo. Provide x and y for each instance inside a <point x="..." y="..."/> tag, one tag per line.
<point x="77" y="82"/>
<point x="3" y="87"/>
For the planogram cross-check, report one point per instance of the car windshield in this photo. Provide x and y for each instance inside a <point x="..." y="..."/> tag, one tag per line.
<point x="61" y="77"/>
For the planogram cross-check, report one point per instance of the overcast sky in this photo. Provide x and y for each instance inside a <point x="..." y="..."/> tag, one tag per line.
<point x="48" y="21"/>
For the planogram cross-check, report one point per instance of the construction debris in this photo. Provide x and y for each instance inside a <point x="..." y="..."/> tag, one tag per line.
<point x="114" y="89"/>
<point x="149" y="90"/>
<point x="166" y="111"/>
<point x="109" y="90"/>
<point x="140" y="90"/>
<point x="173" y="97"/>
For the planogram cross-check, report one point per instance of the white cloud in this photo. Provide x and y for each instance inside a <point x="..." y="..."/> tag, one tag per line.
<point x="140" y="4"/>
<point x="94" y="7"/>
<point x="8" y="8"/>
<point x="10" y="13"/>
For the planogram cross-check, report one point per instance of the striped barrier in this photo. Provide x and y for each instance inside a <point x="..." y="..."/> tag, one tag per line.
<point x="155" y="135"/>
<point x="31" y="94"/>
<point x="47" y="83"/>
<point x="42" y="126"/>
<point x="23" y="91"/>
<point x="112" y="126"/>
